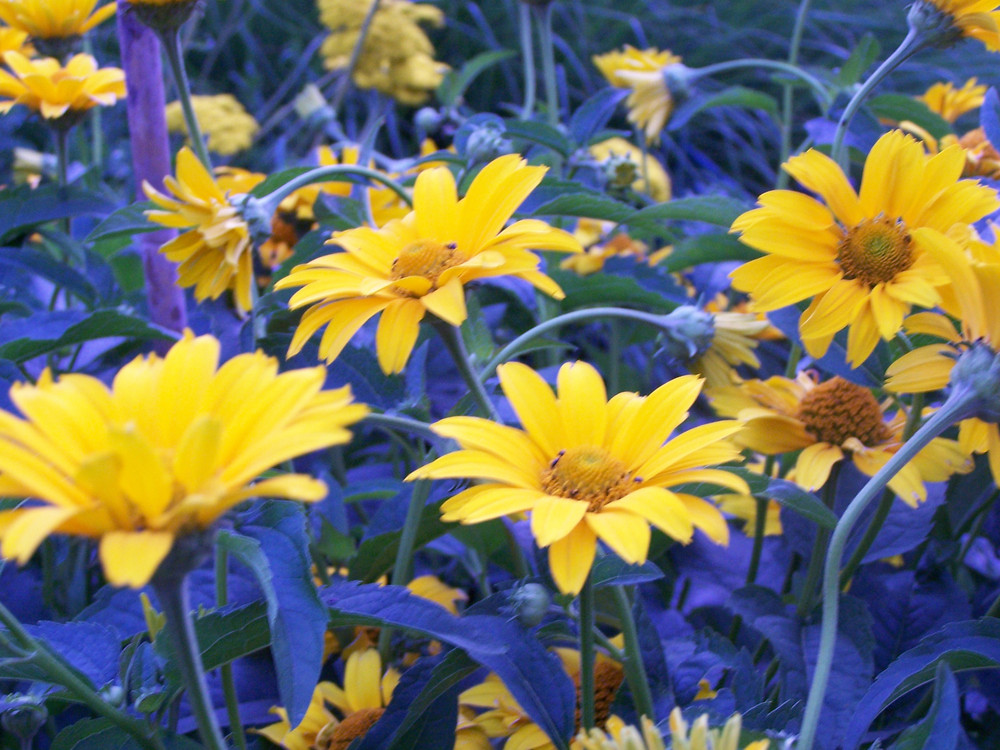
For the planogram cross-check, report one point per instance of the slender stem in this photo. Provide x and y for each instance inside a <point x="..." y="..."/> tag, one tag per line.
<point x="352" y="63"/>
<point x="401" y="424"/>
<point x="53" y="666"/>
<point x="548" y="63"/>
<point x="62" y="166"/>
<point x="760" y="521"/>
<point x="911" y="44"/>
<point x="817" y="86"/>
<point x="171" y="41"/>
<point x="587" y="715"/>
<point x="977" y="526"/>
<point x="788" y="93"/>
<point x="226" y="671"/>
<point x="871" y="533"/>
<point x="172" y="595"/>
<point x="994" y="610"/>
<point x="814" y="571"/>
<point x="590" y="313"/>
<point x="955" y="408"/>
<point x="333" y="173"/>
<point x="635" y="669"/>
<point x="528" y="54"/>
<point x="452" y="338"/>
<point x="521" y="568"/>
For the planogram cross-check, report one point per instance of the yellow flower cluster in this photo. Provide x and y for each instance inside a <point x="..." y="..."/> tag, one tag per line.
<point x="228" y="127"/>
<point x="397" y="57"/>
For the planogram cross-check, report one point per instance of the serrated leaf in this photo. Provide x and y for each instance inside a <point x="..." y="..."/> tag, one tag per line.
<point x="44" y="265"/>
<point x="377" y="554"/>
<point x="862" y="57"/>
<point x="611" y="570"/>
<point x="456" y="82"/>
<point x="22" y="208"/>
<point x="223" y="637"/>
<point x="602" y="289"/>
<point x="787" y="493"/>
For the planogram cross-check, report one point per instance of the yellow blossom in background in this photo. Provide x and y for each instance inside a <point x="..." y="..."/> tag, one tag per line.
<point x="864" y="257"/>
<point x="421" y="263"/>
<point x="172" y="445"/>
<point x="588" y="468"/>
<point x="15" y="40"/>
<point x="215" y="254"/>
<point x="397" y="57"/>
<point x="950" y="102"/>
<point x="647" y="168"/>
<point x="651" y="102"/>
<point x="59" y="94"/>
<point x="698" y="736"/>
<point x="597" y="252"/>
<point x="224" y="122"/>
<point x="384" y="202"/>
<point x="976" y="19"/>
<point x="828" y="422"/>
<point x="51" y="19"/>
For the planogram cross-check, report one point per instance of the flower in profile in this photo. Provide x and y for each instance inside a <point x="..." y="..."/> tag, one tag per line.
<point x="865" y="258"/>
<point x="228" y="127"/>
<point x="645" y="72"/>
<point x="734" y="339"/>
<point x="54" y="19"/>
<point x="422" y="262"/>
<point x="951" y="103"/>
<point x="588" y="468"/>
<point x="61" y="95"/>
<point x="215" y="254"/>
<point x="828" y="422"/>
<point x="172" y="445"/>
<point x="644" y="173"/>
<point x="950" y="19"/>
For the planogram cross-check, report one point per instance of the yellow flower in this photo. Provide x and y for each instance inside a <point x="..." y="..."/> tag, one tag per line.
<point x="618" y="735"/>
<point x="733" y="342"/>
<point x="60" y="94"/>
<point x="397" y="58"/>
<point x="422" y="262"/>
<point x="171" y="446"/>
<point x="977" y="19"/>
<point x="703" y="738"/>
<point x="651" y="102"/>
<point x="659" y="181"/>
<point x="15" y="40"/>
<point x="228" y="127"/>
<point x="828" y="422"/>
<point x="596" y="254"/>
<point x="48" y="19"/>
<point x="588" y="468"/>
<point x="950" y="102"/>
<point x="215" y="254"/>
<point x="866" y="258"/>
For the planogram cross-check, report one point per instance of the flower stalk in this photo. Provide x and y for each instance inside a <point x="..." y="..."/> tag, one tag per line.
<point x="788" y="93"/>
<point x="587" y="654"/>
<point x="528" y="55"/>
<point x="452" y="338"/>
<point x="548" y="63"/>
<point x="635" y="669"/>
<point x="332" y="173"/>
<point x="171" y="40"/>
<point x="226" y="670"/>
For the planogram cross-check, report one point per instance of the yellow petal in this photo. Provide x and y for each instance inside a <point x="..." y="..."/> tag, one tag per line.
<point x="624" y="532"/>
<point x="552" y="518"/>
<point x="362" y="680"/>
<point x="813" y="466"/>
<point x="571" y="558"/>
<point x="397" y="333"/>
<point x="130" y="558"/>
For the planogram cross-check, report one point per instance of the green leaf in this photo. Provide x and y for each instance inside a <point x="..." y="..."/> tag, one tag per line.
<point x="601" y="289"/>
<point x="589" y="205"/>
<point x="102" y="734"/>
<point x="941" y="727"/>
<point x="862" y="57"/>
<point x="707" y="248"/>
<point x="900" y="107"/>
<point x="456" y="82"/>
<point x="47" y="267"/>
<point x="539" y="132"/>
<point x="711" y="209"/>
<point x="377" y="554"/>
<point x="124" y="223"/>
<point x="22" y="208"/>
<point x="788" y="494"/>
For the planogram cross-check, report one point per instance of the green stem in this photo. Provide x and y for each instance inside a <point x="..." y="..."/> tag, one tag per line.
<point x="62" y="167"/>
<point x="817" y="86"/>
<point x="788" y="93"/>
<point x="635" y="669"/>
<point x="226" y="671"/>
<point x="977" y="525"/>
<point x="171" y="41"/>
<point x="39" y="653"/>
<point x="881" y="513"/>
<point x="590" y="313"/>
<point x="333" y="173"/>
<point x="911" y="44"/>
<point x="172" y="594"/>
<point x="352" y="63"/>
<point x="994" y="610"/>
<point x="528" y="54"/>
<point x="955" y="408"/>
<point x="401" y="424"/>
<point x="521" y="567"/>
<point x="548" y="63"/>
<point x="760" y="521"/>
<point x="587" y="715"/>
<point x="452" y="338"/>
<point x="815" y="568"/>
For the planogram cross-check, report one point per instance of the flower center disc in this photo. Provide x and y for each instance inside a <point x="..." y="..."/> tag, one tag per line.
<point x="587" y="473"/>
<point x="353" y="726"/>
<point x="838" y="409"/>
<point x="875" y="251"/>
<point x="427" y="258"/>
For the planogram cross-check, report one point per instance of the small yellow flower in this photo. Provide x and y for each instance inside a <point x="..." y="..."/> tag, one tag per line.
<point x="588" y="468"/>
<point x="422" y="262"/>
<point x="865" y="258"/>
<point x="703" y="738"/>
<point x="653" y="172"/>
<point x="59" y="94"/>
<point x="618" y="735"/>
<point x="50" y="19"/>
<point x="828" y="422"/>
<point x="651" y="102"/>
<point x="215" y="254"/>
<point x="228" y="127"/>
<point x="171" y="446"/>
<point x="976" y="19"/>
<point x="950" y="102"/>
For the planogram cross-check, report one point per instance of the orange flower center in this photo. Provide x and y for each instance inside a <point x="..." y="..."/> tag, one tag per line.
<point x="427" y="258"/>
<point x="875" y="251"/>
<point x="838" y="409"/>
<point x="608" y="677"/>
<point x="353" y="726"/>
<point x="589" y="474"/>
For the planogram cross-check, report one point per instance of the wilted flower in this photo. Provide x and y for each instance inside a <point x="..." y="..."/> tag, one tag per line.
<point x="228" y="127"/>
<point x="866" y="258"/>
<point x="171" y="446"/>
<point x="59" y="94"/>
<point x="588" y="468"/>
<point x="422" y="262"/>
<point x="646" y="73"/>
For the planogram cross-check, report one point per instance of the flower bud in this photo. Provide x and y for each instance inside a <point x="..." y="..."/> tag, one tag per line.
<point x="977" y="375"/>
<point x="687" y="332"/>
<point x="22" y="716"/>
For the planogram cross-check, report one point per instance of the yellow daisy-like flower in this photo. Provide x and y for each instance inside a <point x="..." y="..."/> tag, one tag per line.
<point x="172" y="445"/>
<point x="59" y="94"/>
<point x="422" y="262"/>
<point x="866" y="258"/>
<point x="651" y="102"/>
<point x="647" y="168"/>
<point x="977" y="19"/>
<point x="48" y="19"/>
<point x="828" y="422"/>
<point x="950" y="102"/>
<point x="228" y="127"/>
<point x="215" y="254"/>
<point x="15" y="40"/>
<point x="587" y="468"/>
